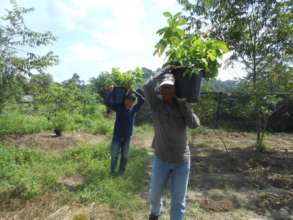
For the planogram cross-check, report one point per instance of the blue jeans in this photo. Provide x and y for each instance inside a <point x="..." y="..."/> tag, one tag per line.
<point x="178" y="175"/>
<point x="119" y="146"/>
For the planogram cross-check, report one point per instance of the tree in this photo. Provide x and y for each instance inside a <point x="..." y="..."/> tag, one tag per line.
<point x="14" y="60"/>
<point x="82" y="93"/>
<point x="75" y="81"/>
<point x="59" y="101"/>
<point x="39" y="83"/>
<point x="101" y="84"/>
<point x="260" y="35"/>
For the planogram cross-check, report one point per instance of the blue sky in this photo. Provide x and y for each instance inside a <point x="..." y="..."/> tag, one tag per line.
<point x="96" y="35"/>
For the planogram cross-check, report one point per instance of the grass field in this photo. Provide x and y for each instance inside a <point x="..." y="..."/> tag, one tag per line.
<point x="47" y="177"/>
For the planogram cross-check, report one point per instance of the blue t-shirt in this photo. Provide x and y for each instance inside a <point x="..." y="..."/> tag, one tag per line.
<point x="124" y="117"/>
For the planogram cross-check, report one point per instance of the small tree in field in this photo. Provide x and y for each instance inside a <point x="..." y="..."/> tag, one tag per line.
<point x="260" y="35"/>
<point x="82" y="94"/>
<point x="14" y="60"/>
<point x="59" y="102"/>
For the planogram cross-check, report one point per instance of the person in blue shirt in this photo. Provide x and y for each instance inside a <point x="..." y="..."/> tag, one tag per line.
<point x="125" y="115"/>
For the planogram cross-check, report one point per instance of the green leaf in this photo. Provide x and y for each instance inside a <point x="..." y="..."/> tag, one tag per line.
<point x="167" y="14"/>
<point x="182" y="21"/>
<point x="221" y="45"/>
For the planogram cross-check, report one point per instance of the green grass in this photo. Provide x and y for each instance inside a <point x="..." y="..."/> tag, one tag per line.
<point x="28" y="173"/>
<point x="15" y="123"/>
<point x="20" y="123"/>
<point x="96" y="123"/>
<point x="142" y="129"/>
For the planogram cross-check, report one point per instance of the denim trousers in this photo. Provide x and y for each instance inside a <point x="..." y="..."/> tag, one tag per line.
<point x="178" y="174"/>
<point x="120" y="146"/>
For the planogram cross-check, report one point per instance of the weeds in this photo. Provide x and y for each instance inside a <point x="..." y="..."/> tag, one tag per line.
<point x="27" y="173"/>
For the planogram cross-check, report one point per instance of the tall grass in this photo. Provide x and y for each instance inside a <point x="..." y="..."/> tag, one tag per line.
<point x="16" y="123"/>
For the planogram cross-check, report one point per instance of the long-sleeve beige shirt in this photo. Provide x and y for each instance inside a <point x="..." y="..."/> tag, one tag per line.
<point x="170" y="122"/>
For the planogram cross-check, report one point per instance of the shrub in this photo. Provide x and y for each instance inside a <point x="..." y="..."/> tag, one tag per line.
<point x="61" y="122"/>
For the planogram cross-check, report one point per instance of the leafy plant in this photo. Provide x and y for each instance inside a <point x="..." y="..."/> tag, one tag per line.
<point x="128" y="79"/>
<point x="196" y="53"/>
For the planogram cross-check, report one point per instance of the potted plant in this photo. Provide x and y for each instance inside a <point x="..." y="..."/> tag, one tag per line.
<point x="187" y="84"/>
<point x="124" y="81"/>
<point x="190" y="57"/>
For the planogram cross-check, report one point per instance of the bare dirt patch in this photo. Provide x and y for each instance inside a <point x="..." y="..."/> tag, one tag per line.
<point x="82" y="212"/>
<point x="52" y="143"/>
<point x="57" y="206"/>
<point x="71" y="182"/>
<point x="248" y="182"/>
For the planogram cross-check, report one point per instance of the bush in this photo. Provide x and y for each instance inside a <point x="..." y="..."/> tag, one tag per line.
<point x="60" y="122"/>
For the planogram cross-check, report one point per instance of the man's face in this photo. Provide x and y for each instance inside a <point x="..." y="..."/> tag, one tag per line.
<point x="128" y="103"/>
<point x="167" y="92"/>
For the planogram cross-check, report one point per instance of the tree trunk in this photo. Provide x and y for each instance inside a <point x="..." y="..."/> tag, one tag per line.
<point x="257" y="103"/>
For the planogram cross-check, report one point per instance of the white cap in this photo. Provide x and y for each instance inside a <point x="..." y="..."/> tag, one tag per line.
<point x="168" y="80"/>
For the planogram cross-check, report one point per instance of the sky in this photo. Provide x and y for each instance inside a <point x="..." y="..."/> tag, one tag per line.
<point x="96" y="35"/>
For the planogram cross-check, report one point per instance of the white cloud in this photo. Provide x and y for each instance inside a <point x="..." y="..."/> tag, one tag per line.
<point x="230" y="72"/>
<point x="116" y="25"/>
<point x="124" y="31"/>
<point x="89" y="52"/>
<point x="128" y="63"/>
<point x="234" y="72"/>
<point x="167" y="5"/>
